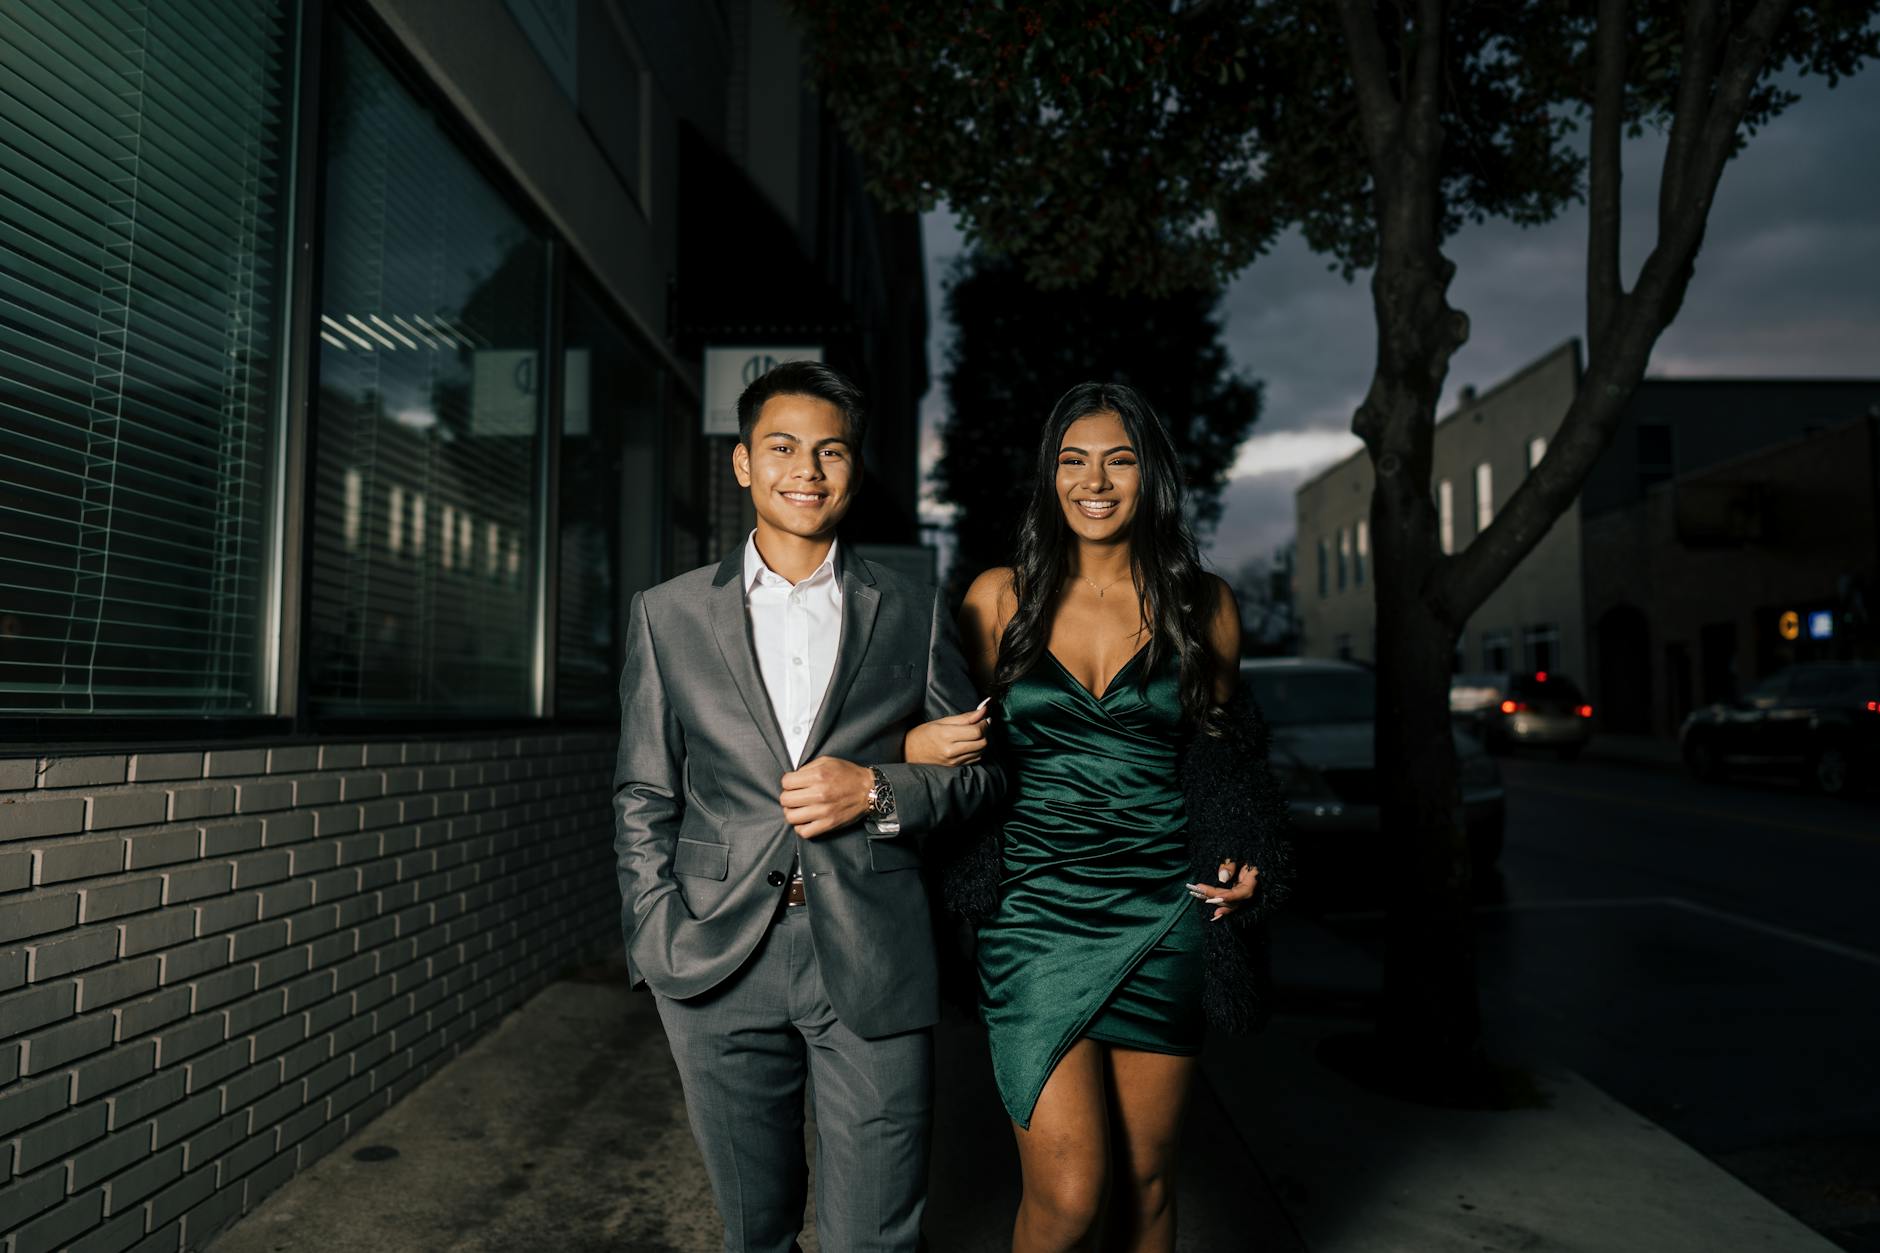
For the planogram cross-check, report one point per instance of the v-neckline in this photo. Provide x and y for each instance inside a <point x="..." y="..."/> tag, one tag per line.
<point x="1108" y="688"/>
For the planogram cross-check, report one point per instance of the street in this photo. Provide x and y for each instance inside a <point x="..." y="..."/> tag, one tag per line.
<point x="1709" y="954"/>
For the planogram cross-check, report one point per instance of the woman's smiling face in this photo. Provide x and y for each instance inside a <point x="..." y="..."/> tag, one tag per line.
<point x="1099" y="477"/>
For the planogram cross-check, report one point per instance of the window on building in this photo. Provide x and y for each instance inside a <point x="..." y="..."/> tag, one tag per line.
<point x="1324" y="564"/>
<point x="1537" y="448"/>
<point x="1364" y="550"/>
<point x="1540" y="646"/>
<point x="140" y="263"/>
<point x="1344" y="556"/>
<point x="1341" y="646"/>
<point x="1484" y="497"/>
<point x="428" y="421"/>
<point x="1495" y="651"/>
<point x="1446" y="514"/>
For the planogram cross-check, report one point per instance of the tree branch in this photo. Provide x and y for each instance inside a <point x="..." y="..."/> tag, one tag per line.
<point x="1370" y="77"/>
<point x="1604" y="286"/>
<point x="1697" y="64"/>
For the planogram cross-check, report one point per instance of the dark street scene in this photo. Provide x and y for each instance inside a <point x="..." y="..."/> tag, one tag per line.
<point x="820" y="626"/>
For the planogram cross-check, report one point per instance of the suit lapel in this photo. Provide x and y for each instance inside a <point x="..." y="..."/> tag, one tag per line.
<point x="732" y="627"/>
<point x="861" y="600"/>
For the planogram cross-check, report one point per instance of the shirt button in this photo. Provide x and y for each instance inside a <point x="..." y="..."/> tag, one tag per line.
<point x="797" y="729"/>
<point x="796" y="661"/>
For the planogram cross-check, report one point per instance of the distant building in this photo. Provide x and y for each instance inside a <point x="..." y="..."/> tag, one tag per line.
<point x="1720" y="507"/>
<point x="1482" y="450"/>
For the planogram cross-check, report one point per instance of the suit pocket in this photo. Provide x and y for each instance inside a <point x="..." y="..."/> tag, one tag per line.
<point x="893" y="854"/>
<point x="895" y="673"/>
<point x="703" y="860"/>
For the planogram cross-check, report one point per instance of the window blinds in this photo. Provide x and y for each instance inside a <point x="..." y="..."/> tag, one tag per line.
<point x="142" y="178"/>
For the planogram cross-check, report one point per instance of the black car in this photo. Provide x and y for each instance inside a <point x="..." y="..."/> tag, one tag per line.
<point x="1821" y="721"/>
<point x="1542" y="708"/>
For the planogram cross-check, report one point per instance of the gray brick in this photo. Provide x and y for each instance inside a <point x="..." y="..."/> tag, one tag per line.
<point x="57" y="1229"/>
<point x="361" y="787"/>
<point x="251" y="1083"/>
<point x="115" y="1236"/>
<point x="215" y="1140"/>
<point x="33" y="1194"/>
<point x="298" y="1126"/>
<point x="146" y="932"/>
<point x="60" y="1137"/>
<point x="182" y="1196"/>
<point x="56" y="1046"/>
<point x="342" y="756"/>
<point x="336" y="883"/>
<point x="283" y="965"/>
<point x="186" y="1039"/>
<point x="238" y="836"/>
<point x="16" y="871"/>
<point x="256" y="1011"/>
<point x="403" y="780"/>
<point x="139" y="808"/>
<point x="36" y="915"/>
<point x="217" y="1064"/>
<point x="30" y="1010"/>
<point x="142" y="1017"/>
<point x="286" y="828"/>
<point x="293" y="759"/>
<point x="191" y="882"/>
<point x="312" y="858"/>
<point x="384" y="754"/>
<point x="166" y="1239"/>
<point x="164" y="767"/>
<point x="260" y="869"/>
<point x="18" y="772"/>
<point x="24" y="1104"/>
<point x="12" y="968"/>
<point x="278" y="1036"/>
<point x="274" y="1108"/>
<point x="330" y="950"/>
<point x="298" y="1061"/>
<point x="202" y="1223"/>
<point x="114" y="900"/>
<point x="251" y="942"/>
<point x="85" y="859"/>
<point x="89" y="771"/>
<point x="130" y="1106"/>
<point x="106" y="1158"/>
<point x="9" y="1069"/>
<point x="201" y="800"/>
<point x="178" y="1121"/>
<point x="220" y="988"/>
<point x="223" y="763"/>
<point x="227" y="912"/>
<point x="315" y="790"/>
<point x="114" y="1070"/>
<point x="263" y="796"/>
<point x="68" y="954"/>
<point x="318" y="921"/>
<point x="117" y="981"/>
<point x="324" y="1079"/>
<point x="251" y="1153"/>
<point x="35" y="817"/>
<point x="335" y="820"/>
<point x="381" y="813"/>
<point x="163" y="848"/>
<point x="140" y="1181"/>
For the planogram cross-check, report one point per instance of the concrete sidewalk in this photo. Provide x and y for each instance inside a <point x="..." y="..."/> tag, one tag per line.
<point x="564" y="1130"/>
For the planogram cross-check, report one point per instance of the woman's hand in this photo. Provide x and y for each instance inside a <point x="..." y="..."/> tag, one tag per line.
<point x="954" y="741"/>
<point x="1235" y="889"/>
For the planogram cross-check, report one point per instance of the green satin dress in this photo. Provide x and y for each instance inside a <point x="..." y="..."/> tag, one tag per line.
<point x="1095" y="935"/>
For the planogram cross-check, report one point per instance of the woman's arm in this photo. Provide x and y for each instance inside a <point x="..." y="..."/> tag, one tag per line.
<point x="959" y="740"/>
<point x="1224" y="640"/>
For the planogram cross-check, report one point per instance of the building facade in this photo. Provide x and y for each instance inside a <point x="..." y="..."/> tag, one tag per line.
<point x="353" y="384"/>
<point x="1482" y="450"/>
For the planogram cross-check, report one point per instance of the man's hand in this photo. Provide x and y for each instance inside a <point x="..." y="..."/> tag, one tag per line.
<point x="953" y="741"/>
<point x="825" y="794"/>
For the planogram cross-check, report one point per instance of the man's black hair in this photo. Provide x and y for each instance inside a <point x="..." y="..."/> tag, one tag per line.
<point x="804" y="378"/>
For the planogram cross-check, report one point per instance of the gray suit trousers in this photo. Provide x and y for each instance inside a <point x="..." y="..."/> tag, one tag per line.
<point x="744" y="1050"/>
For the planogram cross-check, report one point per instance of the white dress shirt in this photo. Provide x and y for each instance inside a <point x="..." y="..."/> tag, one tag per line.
<point x="795" y="630"/>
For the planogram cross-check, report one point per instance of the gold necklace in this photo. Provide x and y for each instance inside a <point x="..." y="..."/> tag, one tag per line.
<point x="1106" y="587"/>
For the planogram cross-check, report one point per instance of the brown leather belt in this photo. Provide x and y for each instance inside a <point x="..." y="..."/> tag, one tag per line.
<point x="794" y="894"/>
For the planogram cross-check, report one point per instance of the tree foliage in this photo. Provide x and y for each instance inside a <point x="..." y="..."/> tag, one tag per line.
<point x="1016" y="349"/>
<point x="1166" y="143"/>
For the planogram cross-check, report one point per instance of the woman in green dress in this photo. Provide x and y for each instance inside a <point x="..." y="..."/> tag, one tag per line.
<point x="1104" y="646"/>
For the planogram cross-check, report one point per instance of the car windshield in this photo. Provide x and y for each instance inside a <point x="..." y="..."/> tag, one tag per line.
<point x="1298" y="697"/>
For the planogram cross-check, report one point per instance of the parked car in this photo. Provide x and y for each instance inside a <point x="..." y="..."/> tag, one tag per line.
<point x="1820" y="720"/>
<point x="1539" y="708"/>
<point x="1323" y="718"/>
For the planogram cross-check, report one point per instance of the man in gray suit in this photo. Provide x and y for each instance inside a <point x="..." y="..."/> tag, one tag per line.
<point x="768" y="837"/>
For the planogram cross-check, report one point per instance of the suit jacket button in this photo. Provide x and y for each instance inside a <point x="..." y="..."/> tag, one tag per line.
<point x="774" y="878"/>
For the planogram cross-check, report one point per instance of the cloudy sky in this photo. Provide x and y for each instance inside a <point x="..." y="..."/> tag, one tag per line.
<point x="1788" y="284"/>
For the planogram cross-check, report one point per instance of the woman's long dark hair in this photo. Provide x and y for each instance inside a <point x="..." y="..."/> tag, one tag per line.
<point x="1164" y="562"/>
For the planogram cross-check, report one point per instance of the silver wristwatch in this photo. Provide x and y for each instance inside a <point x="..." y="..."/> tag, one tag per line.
<point x="880" y="797"/>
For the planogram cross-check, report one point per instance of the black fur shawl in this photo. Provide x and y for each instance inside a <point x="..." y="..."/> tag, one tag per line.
<point x="1235" y="810"/>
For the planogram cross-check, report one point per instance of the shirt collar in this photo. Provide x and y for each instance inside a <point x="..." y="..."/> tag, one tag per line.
<point x="755" y="570"/>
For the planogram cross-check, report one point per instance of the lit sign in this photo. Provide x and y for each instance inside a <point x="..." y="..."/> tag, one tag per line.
<point x="1821" y="625"/>
<point x="1789" y="625"/>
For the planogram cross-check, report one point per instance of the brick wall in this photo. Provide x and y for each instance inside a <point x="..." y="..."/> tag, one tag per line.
<point x="214" y="966"/>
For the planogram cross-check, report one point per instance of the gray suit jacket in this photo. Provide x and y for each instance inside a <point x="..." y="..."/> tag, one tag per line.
<point x="698" y="828"/>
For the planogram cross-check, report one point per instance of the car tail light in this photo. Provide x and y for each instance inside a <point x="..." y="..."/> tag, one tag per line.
<point x="1513" y="707"/>
<point x="1586" y="711"/>
<point x="1540" y="676"/>
<point x="1873" y="706"/>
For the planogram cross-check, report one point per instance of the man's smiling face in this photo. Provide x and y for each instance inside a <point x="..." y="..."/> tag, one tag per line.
<point x="800" y="466"/>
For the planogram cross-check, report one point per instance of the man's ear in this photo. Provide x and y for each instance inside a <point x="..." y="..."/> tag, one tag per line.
<point x="741" y="463"/>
